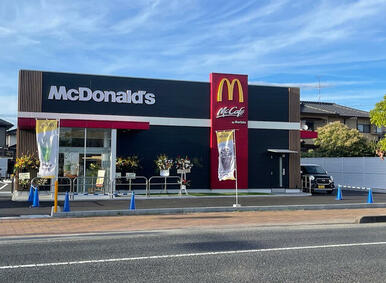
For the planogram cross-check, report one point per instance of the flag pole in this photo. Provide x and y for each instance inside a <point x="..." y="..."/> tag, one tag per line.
<point x="234" y="148"/>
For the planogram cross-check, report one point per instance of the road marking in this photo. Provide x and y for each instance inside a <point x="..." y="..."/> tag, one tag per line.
<point x="187" y="255"/>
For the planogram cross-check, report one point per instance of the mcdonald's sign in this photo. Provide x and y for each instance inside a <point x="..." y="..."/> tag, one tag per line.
<point x="231" y="88"/>
<point x="229" y="111"/>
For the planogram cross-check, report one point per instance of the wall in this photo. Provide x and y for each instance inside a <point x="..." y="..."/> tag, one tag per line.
<point x="173" y="141"/>
<point x="353" y="171"/>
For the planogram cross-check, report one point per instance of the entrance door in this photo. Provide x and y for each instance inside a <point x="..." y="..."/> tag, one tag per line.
<point x="84" y="157"/>
<point x="279" y="165"/>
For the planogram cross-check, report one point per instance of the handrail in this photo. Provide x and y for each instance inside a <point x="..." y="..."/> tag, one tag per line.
<point x="165" y="183"/>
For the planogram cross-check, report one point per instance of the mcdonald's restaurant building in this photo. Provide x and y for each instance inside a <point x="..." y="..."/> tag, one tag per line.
<point x="103" y="118"/>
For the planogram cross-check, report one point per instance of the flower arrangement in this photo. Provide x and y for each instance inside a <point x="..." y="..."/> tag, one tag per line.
<point x="26" y="163"/>
<point x="183" y="163"/>
<point x="163" y="162"/>
<point x="128" y="164"/>
<point x="185" y="182"/>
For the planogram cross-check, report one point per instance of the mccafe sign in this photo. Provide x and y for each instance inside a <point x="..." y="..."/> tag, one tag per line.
<point x="86" y="94"/>
<point x="229" y="111"/>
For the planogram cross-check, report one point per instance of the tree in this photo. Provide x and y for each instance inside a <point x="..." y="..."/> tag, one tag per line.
<point x="378" y="117"/>
<point x="337" y="140"/>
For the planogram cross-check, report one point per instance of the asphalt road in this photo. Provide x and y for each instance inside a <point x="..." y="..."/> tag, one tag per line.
<point x="10" y="208"/>
<point x="341" y="253"/>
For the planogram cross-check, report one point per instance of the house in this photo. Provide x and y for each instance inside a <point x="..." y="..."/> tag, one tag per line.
<point x="317" y="114"/>
<point x="4" y="126"/>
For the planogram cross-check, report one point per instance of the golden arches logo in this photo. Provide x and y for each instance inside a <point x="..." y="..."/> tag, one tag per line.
<point x="231" y="86"/>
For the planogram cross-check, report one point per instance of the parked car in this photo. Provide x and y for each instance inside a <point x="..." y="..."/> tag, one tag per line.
<point x="319" y="178"/>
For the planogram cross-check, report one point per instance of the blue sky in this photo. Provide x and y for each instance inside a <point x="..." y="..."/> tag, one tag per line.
<point x="289" y="43"/>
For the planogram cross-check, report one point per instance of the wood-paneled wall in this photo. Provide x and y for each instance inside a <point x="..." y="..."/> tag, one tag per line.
<point x="29" y="100"/>
<point x="30" y="91"/>
<point x="294" y="138"/>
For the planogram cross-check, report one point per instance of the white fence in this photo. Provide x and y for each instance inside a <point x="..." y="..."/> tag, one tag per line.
<point x="353" y="171"/>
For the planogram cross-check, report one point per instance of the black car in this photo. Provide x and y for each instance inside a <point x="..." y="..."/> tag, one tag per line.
<point x="317" y="177"/>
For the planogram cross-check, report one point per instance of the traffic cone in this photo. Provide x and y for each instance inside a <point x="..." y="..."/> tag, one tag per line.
<point x="31" y="194"/>
<point x="339" y="194"/>
<point x="370" y="197"/>
<point x="66" y="206"/>
<point x="132" y="201"/>
<point x="36" y="198"/>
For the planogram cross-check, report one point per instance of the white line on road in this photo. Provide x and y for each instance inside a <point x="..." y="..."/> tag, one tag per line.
<point x="188" y="255"/>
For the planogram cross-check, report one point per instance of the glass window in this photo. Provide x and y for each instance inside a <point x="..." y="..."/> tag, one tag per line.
<point x="71" y="137"/>
<point x="98" y="138"/>
<point x="313" y="170"/>
<point x="364" y="128"/>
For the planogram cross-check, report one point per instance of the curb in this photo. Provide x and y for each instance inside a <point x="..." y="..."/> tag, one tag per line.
<point x="157" y="211"/>
<point x="372" y="219"/>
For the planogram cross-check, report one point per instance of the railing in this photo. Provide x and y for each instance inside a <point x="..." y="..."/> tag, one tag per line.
<point x="88" y="185"/>
<point x="123" y="184"/>
<point x="64" y="184"/>
<point x="165" y="183"/>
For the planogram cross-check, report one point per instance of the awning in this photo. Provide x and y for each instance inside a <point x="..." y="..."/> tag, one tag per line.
<point x="281" y="150"/>
<point x="29" y="123"/>
<point x="308" y="134"/>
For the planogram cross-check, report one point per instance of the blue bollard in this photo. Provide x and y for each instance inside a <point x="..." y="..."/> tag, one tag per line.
<point x="370" y="197"/>
<point x="31" y="194"/>
<point x="339" y="194"/>
<point x="36" y="198"/>
<point x="66" y="206"/>
<point x="132" y="201"/>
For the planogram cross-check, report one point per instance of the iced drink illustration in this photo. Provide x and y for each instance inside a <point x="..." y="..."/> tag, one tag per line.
<point x="226" y="158"/>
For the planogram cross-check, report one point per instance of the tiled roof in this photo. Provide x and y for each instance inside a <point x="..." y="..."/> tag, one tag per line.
<point x="327" y="108"/>
<point x="5" y="124"/>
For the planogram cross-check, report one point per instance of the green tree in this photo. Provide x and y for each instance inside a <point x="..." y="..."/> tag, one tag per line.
<point x="378" y="117"/>
<point x="337" y="140"/>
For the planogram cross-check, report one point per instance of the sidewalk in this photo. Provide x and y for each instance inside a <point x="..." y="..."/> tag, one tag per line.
<point x="55" y="226"/>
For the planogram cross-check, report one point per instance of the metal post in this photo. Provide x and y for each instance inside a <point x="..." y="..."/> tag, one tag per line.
<point x="56" y="197"/>
<point x="234" y="148"/>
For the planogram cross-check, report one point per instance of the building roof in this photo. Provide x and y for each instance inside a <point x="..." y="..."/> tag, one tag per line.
<point x="5" y="124"/>
<point x="327" y="108"/>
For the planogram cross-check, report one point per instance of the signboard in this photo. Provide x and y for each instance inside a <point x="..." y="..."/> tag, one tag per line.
<point x="229" y="111"/>
<point x="101" y="178"/>
<point x="130" y="175"/>
<point x="183" y="171"/>
<point x="24" y="176"/>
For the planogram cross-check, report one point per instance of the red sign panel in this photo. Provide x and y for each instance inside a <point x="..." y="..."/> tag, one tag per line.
<point x="229" y="110"/>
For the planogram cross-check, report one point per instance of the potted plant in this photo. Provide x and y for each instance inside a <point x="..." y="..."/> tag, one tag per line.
<point x="164" y="164"/>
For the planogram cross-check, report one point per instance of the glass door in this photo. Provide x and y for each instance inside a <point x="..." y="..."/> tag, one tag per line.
<point x="84" y="157"/>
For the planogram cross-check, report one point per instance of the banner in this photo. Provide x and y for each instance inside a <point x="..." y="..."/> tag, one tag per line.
<point x="47" y="140"/>
<point x="226" y="155"/>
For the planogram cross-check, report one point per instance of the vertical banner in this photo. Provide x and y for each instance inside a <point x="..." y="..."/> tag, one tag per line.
<point x="47" y="134"/>
<point x="226" y="155"/>
<point x="229" y="111"/>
